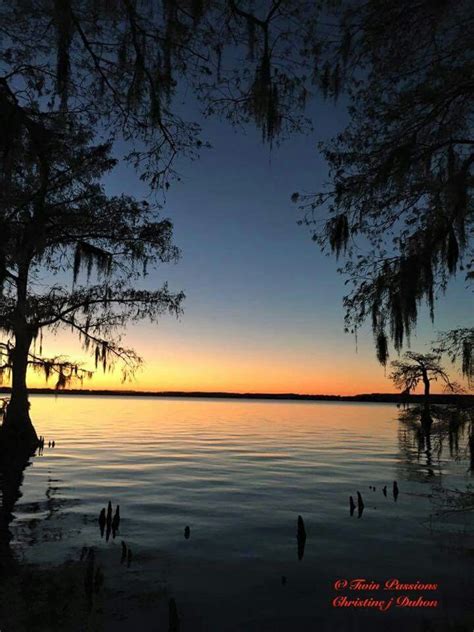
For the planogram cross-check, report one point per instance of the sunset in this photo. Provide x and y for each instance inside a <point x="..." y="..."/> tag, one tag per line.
<point x="263" y="308"/>
<point x="236" y="316"/>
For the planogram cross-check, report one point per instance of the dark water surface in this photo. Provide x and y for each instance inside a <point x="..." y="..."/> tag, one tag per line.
<point x="239" y="473"/>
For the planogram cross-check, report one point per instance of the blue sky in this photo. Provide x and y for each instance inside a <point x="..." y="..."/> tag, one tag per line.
<point x="263" y="307"/>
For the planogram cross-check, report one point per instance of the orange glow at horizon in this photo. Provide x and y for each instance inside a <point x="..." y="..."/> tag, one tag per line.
<point x="174" y="366"/>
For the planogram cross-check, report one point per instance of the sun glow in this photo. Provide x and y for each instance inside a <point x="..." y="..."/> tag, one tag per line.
<point x="171" y="365"/>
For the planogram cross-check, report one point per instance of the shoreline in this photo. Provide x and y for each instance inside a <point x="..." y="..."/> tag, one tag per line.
<point x="389" y="398"/>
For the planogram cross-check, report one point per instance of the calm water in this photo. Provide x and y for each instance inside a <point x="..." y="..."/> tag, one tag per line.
<point x="239" y="473"/>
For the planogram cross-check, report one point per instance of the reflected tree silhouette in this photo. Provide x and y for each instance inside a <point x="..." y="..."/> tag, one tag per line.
<point x="12" y="467"/>
<point x="430" y="433"/>
<point x="31" y="597"/>
<point x="301" y="537"/>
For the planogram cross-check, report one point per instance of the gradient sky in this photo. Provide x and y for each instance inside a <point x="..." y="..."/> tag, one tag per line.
<point x="263" y="309"/>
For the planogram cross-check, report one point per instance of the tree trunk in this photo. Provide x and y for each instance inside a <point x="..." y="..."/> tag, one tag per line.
<point x="426" y="419"/>
<point x="426" y="382"/>
<point x="17" y="422"/>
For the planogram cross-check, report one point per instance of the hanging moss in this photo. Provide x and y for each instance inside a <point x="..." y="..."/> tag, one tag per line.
<point x="468" y="357"/>
<point x="78" y="221"/>
<point x="338" y="231"/>
<point x="452" y="252"/>
<point x="458" y="344"/>
<point x="88" y="255"/>
<point x="381" y="343"/>
<point x="64" y="33"/>
<point x="263" y="103"/>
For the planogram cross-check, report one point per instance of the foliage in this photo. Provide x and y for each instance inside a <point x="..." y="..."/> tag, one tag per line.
<point x="58" y="222"/>
<point x="419" y="367"/>
<point x="458" y="343"/>
<point x="74" y="70"/>
<point x="399" y="205"/>
<point x="125" y="65"/>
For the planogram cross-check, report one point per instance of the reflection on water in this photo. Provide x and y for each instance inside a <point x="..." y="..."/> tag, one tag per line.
<point x="430" y="430"/>
<point x="301" y="537"/>
<point x="239" y="475"/>
<point x="12" y="466"/>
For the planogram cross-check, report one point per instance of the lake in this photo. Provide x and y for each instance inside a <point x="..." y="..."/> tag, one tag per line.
<point x="238" y="473"/>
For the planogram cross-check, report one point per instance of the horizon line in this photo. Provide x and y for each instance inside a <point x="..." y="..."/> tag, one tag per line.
<point x="374" y="396"/>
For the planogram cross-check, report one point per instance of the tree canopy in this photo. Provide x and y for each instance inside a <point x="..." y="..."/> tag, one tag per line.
<point x="78" y="72"/>
<point x="75" y="70"/>
<point x="69" y="254"/>
<point x="124" y="66"/>
<point x="420" y="367"/>
<point x="458" y="344"/>
<point x="398" y="205"/>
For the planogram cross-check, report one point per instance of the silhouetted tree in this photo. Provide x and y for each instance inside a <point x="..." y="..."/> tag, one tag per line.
<point x="420" y="367"/>
<point x="458" y="343"/>
<point x="117" y="69"/>
<point x="119" y="64"/>
<point x="399" y="204"/>
<point x="56" y="220"/>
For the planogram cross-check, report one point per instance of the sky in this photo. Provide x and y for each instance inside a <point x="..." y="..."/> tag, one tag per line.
<point x="263" y="309"/>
